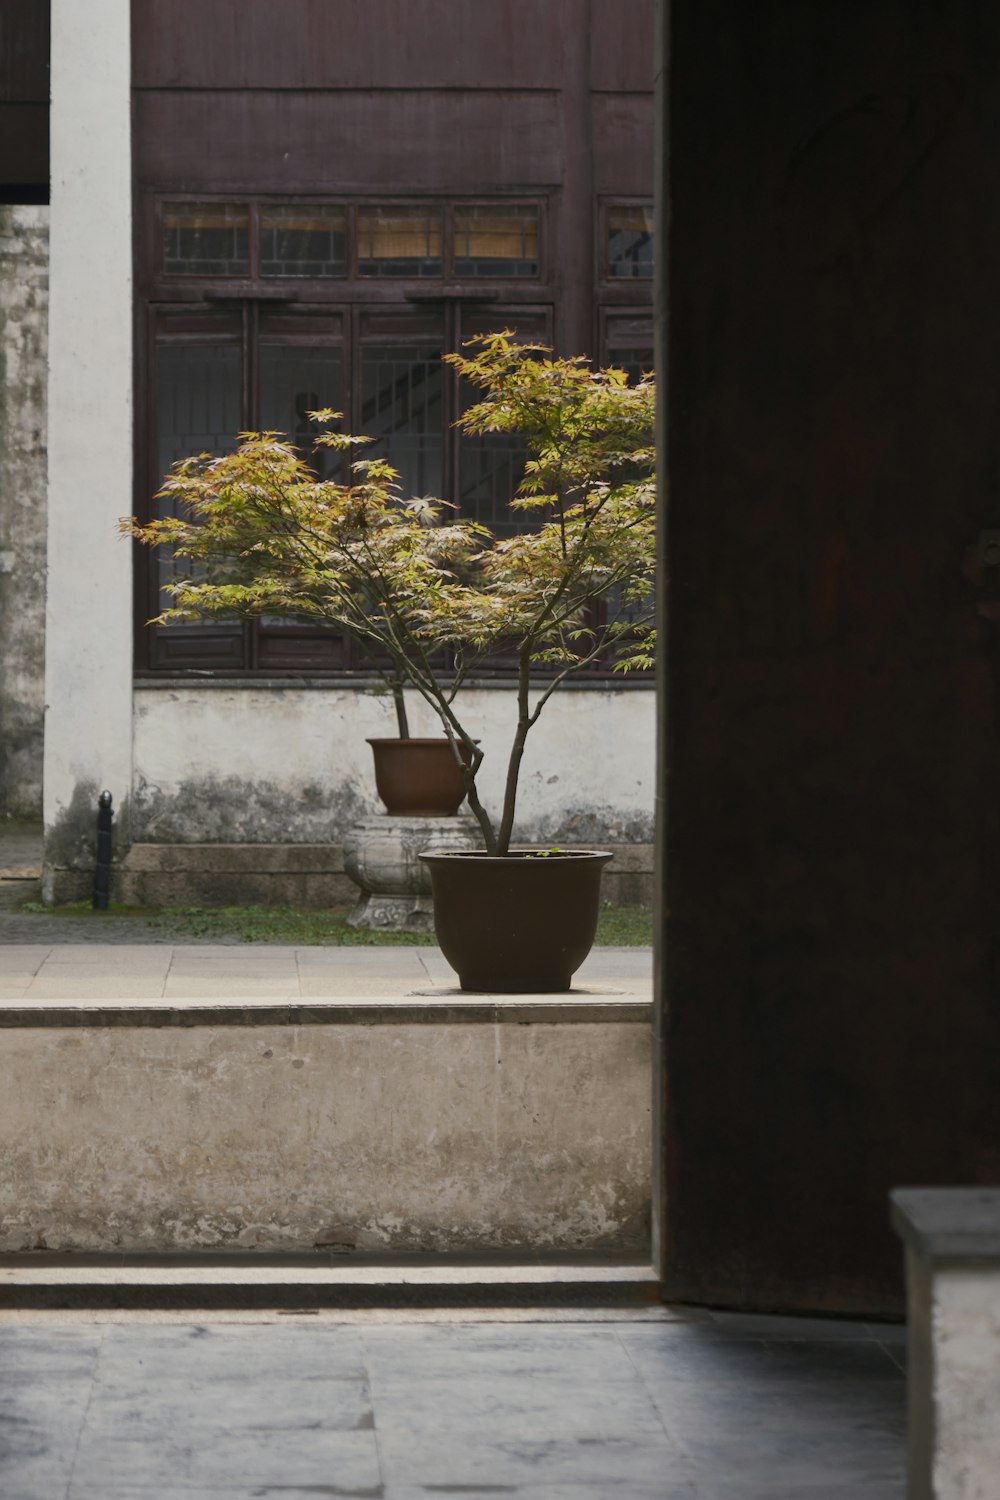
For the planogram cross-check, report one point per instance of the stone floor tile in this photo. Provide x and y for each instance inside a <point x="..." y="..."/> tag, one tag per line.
<point x="319" y="984"/>
<point x="787" y="1330"/>
<point x="202" y="951"/>
<point x="111" y="957"/>
<point x="665" y="1486"/>
<point x="151" y="1456"/>
<point x="236" y="961"/>
<point x="279" y="986"/>
<point x="530" y="1409"/>
<point x="201" y="1410"/>
<point x="40" y="1477"/>
<point x="292" y="1353"/>
<point x="774" y="1487"/>
<point x="23" y="956"/>
<point x="671" y="1410"/>
<point x="713" y="1354"/>
<point x="48" y="985"/>
<point x="237" y="1490"/>
<point x="391" y="960"/>
<point x="45" y="1385"/>
<point x="34" y="1352"/>
<point x="606" y="1465"/>
<point x="579" y="1346"/>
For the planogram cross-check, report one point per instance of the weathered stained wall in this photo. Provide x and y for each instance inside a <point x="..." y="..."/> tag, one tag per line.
<point x="833" y="454"/>
<point x="23" y="349"/>
<point x="461" y="1135"/>
<point x="290" y="764"/>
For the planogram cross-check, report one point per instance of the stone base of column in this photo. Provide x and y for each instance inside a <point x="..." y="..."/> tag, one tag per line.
<point x="380" y="856"/>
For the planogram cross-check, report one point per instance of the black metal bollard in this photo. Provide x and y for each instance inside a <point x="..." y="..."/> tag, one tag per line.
<point x="102" y="874"/>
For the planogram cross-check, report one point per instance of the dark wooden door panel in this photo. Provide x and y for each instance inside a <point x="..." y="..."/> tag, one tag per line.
<point x="832" y="984"/>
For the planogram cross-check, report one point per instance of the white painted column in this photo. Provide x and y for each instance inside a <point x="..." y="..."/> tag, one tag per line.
<point x="88" y="675"/>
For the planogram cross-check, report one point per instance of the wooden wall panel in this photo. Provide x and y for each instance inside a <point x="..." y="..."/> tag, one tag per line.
<point x="624" y="126"/>
<point x="833" y="834"/>
<point x="405" y="44"/>
<point x="24" y="52"/>
<point x="24" y="99"/>
<point x="24" y="144"/>
<point x="337" y="142"/>
<point x="622" y="55"/>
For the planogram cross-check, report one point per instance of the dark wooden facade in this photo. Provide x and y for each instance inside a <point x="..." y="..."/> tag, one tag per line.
<point x="406" y="97"/>
<point x="832" y="965"/>
<point x="24" y="101"/>
<point x="545" y="105"/>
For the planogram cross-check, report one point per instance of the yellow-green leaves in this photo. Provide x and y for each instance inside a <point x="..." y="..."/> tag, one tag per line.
<point x="411" y="580"/>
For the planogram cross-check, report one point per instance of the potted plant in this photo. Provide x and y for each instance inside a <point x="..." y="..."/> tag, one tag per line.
<point x="435" y="596"/>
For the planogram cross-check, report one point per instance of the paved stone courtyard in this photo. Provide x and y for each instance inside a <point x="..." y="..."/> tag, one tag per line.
<point x="379" y="1406"/>
<point x="376" y="1404"/>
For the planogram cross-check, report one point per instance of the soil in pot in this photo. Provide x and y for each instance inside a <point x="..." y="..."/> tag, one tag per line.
<point x="418" y="778"/>
<point x="520" y="924"/>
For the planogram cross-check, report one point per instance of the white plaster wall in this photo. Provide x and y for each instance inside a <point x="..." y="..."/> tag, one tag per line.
<point x="965" y="1324"/>
<point x="89" y="629"/>
<point x="24" y="265"/>
<point x="263" y="765"/>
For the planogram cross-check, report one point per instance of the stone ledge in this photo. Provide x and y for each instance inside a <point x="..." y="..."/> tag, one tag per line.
<point x="408" y="1011"/>
<point x="302" y="1127"/>
<point x="949" y="1224"/>
<point x="310" y="876"/>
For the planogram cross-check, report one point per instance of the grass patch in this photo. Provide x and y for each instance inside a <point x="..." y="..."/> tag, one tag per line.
<point x="624" y="927"/>
<point x="618" y="926"/>
<point x="283" y="924"/>
<point x="85" y="909"/>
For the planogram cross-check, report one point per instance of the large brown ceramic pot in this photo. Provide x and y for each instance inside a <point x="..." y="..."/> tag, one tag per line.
<point x="520" y="924"/>
<point x="418" y="778"/>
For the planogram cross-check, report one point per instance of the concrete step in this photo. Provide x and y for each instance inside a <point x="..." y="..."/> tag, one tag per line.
<point x="304" y="1281"/>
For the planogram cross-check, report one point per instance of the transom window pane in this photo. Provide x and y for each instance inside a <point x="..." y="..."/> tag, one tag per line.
<point x="399" y="242"/>
<point x="496" y="241"/>
<point x="630" y="241"/>
<point x="206" y="239"/>
<point x="310" y="241"/>
<point x="401" y="407"/>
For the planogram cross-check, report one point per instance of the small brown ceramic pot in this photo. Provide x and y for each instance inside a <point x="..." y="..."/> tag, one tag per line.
<point x="418" y="778"/>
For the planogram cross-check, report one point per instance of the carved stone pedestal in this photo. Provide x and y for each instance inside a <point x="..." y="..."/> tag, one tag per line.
<point x="380" y="856"/>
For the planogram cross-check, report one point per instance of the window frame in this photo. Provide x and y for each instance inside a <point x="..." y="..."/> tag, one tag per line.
<point x="626" y="284"/>
<point x="256" y="651"/>
<point x="156" y="276"/>
<point x="279" y="648"/>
